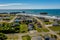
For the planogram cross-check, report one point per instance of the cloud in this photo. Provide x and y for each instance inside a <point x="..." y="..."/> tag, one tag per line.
<point x="28" y="6"/>
<point x="13" y="4"/>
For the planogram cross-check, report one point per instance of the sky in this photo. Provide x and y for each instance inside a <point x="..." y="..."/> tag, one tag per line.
<point x="29" y="4"/>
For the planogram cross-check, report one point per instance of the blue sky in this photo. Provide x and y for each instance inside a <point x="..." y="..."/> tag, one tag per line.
<point x="29" y="4"/>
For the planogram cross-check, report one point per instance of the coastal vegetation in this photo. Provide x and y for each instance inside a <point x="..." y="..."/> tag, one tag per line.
<point x="24" y="24"/>
<point x="7" y="28"/>
<point x="26" y="37"/>
<point x="47" y="23"/>
<point x="55" y="28"/>
<point x="23" y="28"/>
<point x="41" y="29"/>
<point x="3" y="36"/>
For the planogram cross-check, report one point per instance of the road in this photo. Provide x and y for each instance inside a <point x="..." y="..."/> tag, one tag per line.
<point x="52" y="32"/>
<point x="12" y="19"/>
<point x="19" y="35"/>
<point x="42" y="24"/>
<point x="50" y="25"/>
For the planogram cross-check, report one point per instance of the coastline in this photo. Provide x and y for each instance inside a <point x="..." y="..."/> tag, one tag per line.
<point x="45" y="16"/>
<point x="51" y="12"/>
<point x="36" y="15"/>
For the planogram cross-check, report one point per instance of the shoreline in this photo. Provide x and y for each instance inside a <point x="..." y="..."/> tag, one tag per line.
<point x="45" y="16"/>
<point x="36" y="15"/>
<point x="51" y="12"/>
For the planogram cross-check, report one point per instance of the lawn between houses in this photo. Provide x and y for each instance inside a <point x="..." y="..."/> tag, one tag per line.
<point x="41" y="29"/>
<point x="55" y="28"/>
<point x="6" y="27"/>
<point x="47" y="23"/>
<point x="26" y="37"/>
<point x="23" y="28"/>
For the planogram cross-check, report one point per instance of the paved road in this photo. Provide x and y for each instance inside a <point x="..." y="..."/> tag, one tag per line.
<point x="18" y="36"/>
<point x="52" y="32"/>
<point x="13" y="19"/>
<point x="40" y="22"/>
<point x="50" y="25"/>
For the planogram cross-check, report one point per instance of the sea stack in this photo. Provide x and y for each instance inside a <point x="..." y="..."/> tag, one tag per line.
<point x="43" y="13"/>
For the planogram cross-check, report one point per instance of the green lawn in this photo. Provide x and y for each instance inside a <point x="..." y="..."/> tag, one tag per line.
<point x="42" y="30"/>
<point x="57" y="28"/>
<point x="48" y="23"/>
<point x="23" y="28"/>
<point x="3" y="36"/>
<point x="26" y="37"/>
<point x="45" y="30"/>
<point x="7" y="28"/>
<point x="11" y="17"/>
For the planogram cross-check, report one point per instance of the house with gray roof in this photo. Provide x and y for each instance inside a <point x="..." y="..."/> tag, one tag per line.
<point x="30" y="27"/>
<point x="36" y="38"/>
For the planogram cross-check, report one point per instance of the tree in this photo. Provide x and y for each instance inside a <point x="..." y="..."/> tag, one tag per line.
<point x="2" y="36"/>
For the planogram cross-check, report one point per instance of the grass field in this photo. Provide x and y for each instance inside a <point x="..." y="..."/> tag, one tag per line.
<point x="42" y="30"/>
<point x="57" y="28"/>
<point x="26" y="37"/>
<point x="47" y="23"/>
<point x="23" y="28"/>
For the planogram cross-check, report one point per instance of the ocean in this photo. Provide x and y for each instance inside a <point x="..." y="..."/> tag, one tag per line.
<point x="51" y="12"/>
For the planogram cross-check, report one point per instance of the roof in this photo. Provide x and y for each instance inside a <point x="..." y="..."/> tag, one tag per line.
<point x="30" y="26"/>
<point x="17" y="20"/>
<point x="52" y="39"/>
<point x="36" y="38"/>
<point x="46" y="36"/>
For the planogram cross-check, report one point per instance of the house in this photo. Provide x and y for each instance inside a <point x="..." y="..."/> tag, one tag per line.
<point x="52" y="39"/>
<point x="55" y="24"/>
<point x="1" y="16"/>
<point x="46" y="20"/>
<point x="29" y="20"/>
<point x="22" y="17"/>
<point x="58" y="20"/>
<point x="15" y="24"/>
<point x="39" y="25"/>
<point x="46" y="37"/>
<point x="36" y="38"/>
<point x="35" y="21"/>
<point x="30" y="27"/>
<point x="49" y="38"/>
<point x="41" y="18"/>
<point x="6" y="16"/>
<point x="18" y="20"/>
<point x="18" y="17"/>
